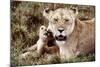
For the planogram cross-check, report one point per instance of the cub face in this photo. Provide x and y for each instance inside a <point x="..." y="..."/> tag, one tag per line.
<point x="43" y="32"/>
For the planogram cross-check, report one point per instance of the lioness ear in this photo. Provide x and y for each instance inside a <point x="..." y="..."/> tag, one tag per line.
<point x="75" y="10"/>
<point x="47" y="12"/>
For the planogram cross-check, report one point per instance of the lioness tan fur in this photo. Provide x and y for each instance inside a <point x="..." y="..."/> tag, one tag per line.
<point x="74" y="37"/>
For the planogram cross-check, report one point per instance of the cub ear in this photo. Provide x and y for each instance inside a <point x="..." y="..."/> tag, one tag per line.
<point x="47" y="12"/>
<point x="75" y="10"/>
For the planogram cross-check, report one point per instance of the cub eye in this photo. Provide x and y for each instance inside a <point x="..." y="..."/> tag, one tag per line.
<point x="55" y="19"/>
<point x="66" y="20"/>
<point x="42" y="28"/>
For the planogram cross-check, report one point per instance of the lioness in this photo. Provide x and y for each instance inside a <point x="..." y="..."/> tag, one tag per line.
<point x="74" y="37"/>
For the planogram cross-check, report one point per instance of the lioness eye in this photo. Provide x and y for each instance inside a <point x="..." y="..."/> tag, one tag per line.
<point x="55" y="19"/>
<point x="66" y="20"/>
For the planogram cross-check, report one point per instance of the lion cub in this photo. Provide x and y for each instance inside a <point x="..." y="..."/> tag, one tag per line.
<point x="45" y="44"/>
<point x="42" y="42"/>
<point x="39" y="46"/>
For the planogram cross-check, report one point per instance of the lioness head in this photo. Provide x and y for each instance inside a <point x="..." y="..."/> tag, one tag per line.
<point x="61" y="22"/>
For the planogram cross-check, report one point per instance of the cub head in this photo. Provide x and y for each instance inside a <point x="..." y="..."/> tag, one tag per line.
<point x="61" y="22"/>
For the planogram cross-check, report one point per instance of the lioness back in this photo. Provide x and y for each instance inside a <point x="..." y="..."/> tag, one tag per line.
<point x="87" y="37"/>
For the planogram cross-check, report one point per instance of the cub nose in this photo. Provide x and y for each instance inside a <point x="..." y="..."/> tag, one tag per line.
<point x="60" y="30"/>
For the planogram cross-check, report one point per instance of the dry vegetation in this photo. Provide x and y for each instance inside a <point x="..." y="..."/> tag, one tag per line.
<point x="26" y="18"/>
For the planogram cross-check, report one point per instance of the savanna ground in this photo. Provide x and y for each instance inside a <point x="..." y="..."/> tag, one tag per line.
<point x="26" y="18"/>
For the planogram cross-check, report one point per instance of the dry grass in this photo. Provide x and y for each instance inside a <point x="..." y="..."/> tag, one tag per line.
<point x="26" y="18"/>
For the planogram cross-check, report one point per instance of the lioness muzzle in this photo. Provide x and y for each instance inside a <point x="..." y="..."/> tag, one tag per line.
<point x="61" y="38"/>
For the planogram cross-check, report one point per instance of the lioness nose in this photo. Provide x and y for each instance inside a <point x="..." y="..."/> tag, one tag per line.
<point x="60" y="30"/>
